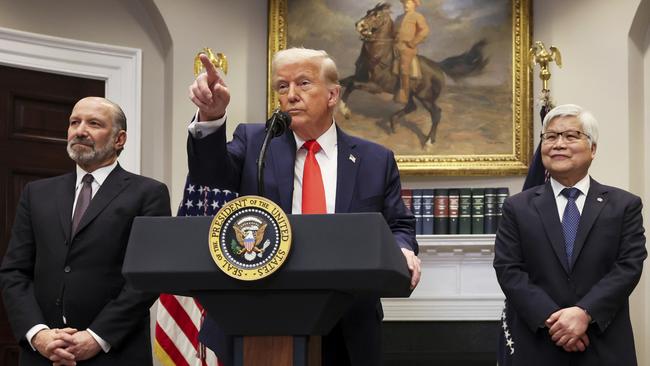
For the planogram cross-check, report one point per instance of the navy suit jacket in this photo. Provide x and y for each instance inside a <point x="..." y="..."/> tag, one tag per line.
<point x="534" y="273"/>
<point x="367" y="182"/>
<point x="47" y="272"/>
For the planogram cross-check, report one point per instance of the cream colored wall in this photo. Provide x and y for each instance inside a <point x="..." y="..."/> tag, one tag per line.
<point x="236" y="28"/>
<point x="641" y="296"/>
<point x="639" y="89"/>
<point x="121" y="23"/>
<point x="593" y="38"/>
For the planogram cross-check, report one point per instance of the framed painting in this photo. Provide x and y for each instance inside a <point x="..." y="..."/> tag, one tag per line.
<point x="465" y="104"/>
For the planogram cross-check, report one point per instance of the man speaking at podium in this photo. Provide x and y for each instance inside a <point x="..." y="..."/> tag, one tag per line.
<point x="314" y="169"/>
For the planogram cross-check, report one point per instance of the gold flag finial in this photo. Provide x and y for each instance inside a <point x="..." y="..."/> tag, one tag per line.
<point x="219" y="61"/>
<point x="539" y="55"/>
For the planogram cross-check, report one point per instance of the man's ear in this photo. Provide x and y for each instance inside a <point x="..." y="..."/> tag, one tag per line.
<point x="120" y="140"/>
<point x="334" y="93"/>
<point x="593" y="150"/>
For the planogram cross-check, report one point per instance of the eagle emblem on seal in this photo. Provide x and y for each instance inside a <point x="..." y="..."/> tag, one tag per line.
<point x="249" y="233"/>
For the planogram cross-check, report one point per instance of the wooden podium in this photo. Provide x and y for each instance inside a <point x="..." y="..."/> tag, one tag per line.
<point x="333" y="259"/>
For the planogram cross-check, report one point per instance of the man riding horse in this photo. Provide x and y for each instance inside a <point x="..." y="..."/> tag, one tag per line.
<point x="410" y="30"/>
<point x="374" y="67"/>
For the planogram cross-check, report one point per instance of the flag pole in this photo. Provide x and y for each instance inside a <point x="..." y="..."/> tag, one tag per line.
<point x="539" y="55"/>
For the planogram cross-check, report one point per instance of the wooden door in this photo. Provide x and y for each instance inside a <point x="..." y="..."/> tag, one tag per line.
<point x="34" y="111"/>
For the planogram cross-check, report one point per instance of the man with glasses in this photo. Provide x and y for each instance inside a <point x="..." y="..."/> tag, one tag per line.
<point x="568" y="255"/>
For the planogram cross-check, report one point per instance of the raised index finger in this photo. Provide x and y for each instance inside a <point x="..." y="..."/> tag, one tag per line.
<point x="210" y="69"/>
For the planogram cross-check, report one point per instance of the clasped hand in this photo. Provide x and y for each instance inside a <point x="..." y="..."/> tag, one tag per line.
<point x="568" y="328"/>
<point x="65" y="346"/>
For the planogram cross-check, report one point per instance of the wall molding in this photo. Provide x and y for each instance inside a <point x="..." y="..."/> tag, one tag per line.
<point x="120" y="67"/>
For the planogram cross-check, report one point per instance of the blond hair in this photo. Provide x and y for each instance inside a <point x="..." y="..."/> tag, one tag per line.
<point x="328" y="70"/>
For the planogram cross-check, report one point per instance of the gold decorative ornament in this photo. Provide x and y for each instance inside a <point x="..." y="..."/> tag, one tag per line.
<point x="219" y="61"/>
<point x="539" y="55"/>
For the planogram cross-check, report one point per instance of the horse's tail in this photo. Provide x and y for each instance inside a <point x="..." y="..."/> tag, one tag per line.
<point x="466" y="64"/>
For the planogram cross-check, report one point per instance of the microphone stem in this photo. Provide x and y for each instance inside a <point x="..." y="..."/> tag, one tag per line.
<point x="260" y="159"/>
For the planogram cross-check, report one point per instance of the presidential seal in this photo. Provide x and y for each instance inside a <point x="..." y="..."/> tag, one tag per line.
<point x="250" y="238"/>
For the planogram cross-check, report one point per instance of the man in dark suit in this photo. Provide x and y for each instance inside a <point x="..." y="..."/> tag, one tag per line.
<point x="568" y="255"/>
<point x="314" y="168"/>
<point x="62" y="281"/>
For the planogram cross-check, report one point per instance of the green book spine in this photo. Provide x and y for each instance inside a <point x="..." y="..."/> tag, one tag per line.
<point x="478" y="210"/>
<point x="441" y="211"/>
<point x="465" y="212"/>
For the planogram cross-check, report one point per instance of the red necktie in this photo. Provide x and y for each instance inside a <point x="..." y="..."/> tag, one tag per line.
<point x="313" y="192"/>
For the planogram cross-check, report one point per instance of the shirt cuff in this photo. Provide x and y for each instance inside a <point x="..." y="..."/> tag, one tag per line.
<point x="32" y="332"/>
<point x="102" y="343"/>
<point x="199" y="130"/>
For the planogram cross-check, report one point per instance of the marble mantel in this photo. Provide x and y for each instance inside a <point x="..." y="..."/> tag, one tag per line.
<point x="458" y="282"/>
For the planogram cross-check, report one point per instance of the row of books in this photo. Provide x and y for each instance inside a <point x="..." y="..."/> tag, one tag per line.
<point x="456" y="210"/>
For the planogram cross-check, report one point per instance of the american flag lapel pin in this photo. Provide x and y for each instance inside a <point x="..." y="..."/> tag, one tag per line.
<point x="352" y="158"/>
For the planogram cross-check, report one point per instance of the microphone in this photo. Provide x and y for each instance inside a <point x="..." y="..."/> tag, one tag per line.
<point x="278" y="123"/>
<point x="275" y="126"/>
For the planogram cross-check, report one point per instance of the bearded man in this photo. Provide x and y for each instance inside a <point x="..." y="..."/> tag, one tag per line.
<point x="61" y="277"/>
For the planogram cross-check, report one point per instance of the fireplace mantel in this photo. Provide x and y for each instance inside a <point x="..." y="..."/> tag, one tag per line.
<point x="458" y="282"/>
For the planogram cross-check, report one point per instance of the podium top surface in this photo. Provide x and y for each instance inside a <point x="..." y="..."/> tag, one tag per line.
<point x="352" y="253"/>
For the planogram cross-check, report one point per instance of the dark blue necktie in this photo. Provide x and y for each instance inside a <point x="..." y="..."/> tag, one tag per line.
<point x="570" y="220"/>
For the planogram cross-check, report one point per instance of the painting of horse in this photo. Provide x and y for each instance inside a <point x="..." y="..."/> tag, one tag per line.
<point x="466" y="105"/>
<point x="374" y="70"/>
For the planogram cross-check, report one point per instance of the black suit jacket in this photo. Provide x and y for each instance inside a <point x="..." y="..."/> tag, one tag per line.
<point x="533" y="271"/>
<point x="367" y="181"/>
<point x="47" y="273"/>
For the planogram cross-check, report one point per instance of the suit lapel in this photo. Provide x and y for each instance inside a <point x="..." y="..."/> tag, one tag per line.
<point x="547" y="209"/>
<point x="346" y="172"/>
<point x="283" y="153"/>
<point x="116" y="181"/>
<point x="65" y="199"/>
<point x="594" y="202"/>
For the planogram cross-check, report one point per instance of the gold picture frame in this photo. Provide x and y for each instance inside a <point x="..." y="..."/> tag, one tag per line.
<point x="512" y="142"/>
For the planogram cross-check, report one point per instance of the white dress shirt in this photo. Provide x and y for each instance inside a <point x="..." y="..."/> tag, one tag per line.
<point x="326" y="157"/>
<point x="561" y="201"/>
<point x="204" y="128"/>
<point x="99" y="176"/>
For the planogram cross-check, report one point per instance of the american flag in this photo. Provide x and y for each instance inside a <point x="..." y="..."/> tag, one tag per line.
<point x="179" y="318"/>
<point x="537" y="175"/>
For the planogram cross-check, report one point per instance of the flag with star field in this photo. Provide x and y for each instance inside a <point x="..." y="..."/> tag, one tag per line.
<point x="179" y="318"/>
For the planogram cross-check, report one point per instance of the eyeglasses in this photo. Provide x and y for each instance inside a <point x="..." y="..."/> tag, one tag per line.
<point x="569" y="136"/>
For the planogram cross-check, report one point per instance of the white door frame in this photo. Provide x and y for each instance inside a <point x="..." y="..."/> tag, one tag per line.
<point x="119" y="67"/>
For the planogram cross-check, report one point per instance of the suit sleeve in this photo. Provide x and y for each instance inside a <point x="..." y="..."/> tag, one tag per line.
<point x="214" y="163"/>
<point x="607" y="296"/>
<point x="126" y="312"/>
<point x="530" y="301"/>
<point x="422" y="29"/>
<point x="400" y="219"/>
<point x="17" y="272"/>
